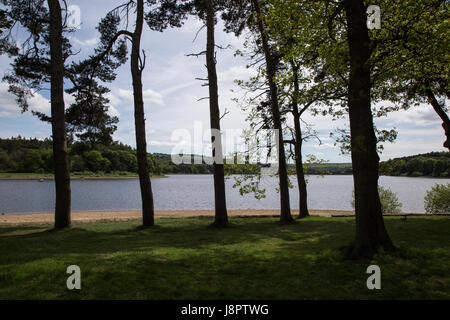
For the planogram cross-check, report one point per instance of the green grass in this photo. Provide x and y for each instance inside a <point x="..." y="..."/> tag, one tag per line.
<point x="75" y="175"/>
<point x="255" y="258"/>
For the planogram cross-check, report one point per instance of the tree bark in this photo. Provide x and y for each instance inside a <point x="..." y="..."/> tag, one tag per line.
<point x="62" y="176"/>
<point x="221" y="216"/>
<point x="139" y="119"/>
<point x="442" y="114"/>
<point x="371" y="234"/>
<point x="285" y="214"/>
<point x="301" y="181"/>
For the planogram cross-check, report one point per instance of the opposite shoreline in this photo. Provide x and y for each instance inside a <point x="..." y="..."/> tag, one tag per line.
<point x="87" y="176"/>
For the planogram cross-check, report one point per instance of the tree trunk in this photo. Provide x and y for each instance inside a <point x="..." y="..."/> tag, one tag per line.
<point x="285" y="214"/>
<point x="221" y="216"/>
<point x="441" y="113"/>
<point x="62" y="176"/>
<point x="139" y="118"/>
<point x="303" y="198"/>
<point x="371" y="234"/>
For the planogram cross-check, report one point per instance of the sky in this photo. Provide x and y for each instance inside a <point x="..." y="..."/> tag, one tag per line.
<point x="172" y="95"/>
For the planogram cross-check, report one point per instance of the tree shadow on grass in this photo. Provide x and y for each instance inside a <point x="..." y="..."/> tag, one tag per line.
<point x="191" y="235"/>
<point x="21" y="228"/>
<point x="308" y="235"/>
<point x="255" y="259"/>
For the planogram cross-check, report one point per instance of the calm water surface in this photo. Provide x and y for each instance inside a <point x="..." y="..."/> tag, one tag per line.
<point x="189" y="192"/>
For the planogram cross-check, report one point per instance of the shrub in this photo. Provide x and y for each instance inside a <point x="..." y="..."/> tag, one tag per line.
<point x="95" y="161"/>
<point x="437" y="200"/>
<point x="389" y="201"/>
<point x="32" y="160"/>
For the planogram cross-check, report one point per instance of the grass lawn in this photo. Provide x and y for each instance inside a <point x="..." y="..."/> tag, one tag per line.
<point x="255" y="258"/>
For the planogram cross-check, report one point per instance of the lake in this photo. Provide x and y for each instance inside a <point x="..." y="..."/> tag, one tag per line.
<point x="190" y="192"/>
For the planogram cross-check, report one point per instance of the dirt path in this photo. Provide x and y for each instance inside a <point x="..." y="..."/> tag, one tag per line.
<point x="130" y="215"/>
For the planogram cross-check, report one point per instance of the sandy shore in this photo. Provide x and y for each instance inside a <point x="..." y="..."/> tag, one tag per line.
<point x="130" y="215"/>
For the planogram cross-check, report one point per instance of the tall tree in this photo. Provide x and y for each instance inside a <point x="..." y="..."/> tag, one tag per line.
<point x="45" y="58"/>
<point x="371" y="234"/>
<point x="6" y="45"/>
<point x="61" y="164"/>
<point x="411" y="56"/>
<point x="298" y="143"/>
<point x="293" y="100"/>
<point x="88" y="119"/>
<point x="137" y="65"/>
<point x="109" y="29"/>
<point x="285" y="213"/>
<point x="221" y="217"/>
<point x="339" y="54"/>
<point x="42" y="60"/>
<point x="173" y="13"/>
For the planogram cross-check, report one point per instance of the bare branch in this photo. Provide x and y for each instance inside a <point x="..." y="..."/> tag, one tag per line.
<point x="223" y="48"/>
<point x="198" y="31"/>
<point x="224" y="114"/>
<point x="196" y="54"/>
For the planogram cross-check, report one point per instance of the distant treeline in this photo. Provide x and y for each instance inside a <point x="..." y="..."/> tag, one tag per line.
<point x="165" y="165"/>
<point x="23" y="155"/>
<point x="329" y="168"/>
<point x="35" y="156"/>
<point x="433" y="164"/>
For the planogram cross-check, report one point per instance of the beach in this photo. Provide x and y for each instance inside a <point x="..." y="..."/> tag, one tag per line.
<point x="91" y="216"/>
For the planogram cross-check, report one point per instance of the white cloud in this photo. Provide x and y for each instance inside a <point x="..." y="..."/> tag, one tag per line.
<point x="113" y="99"/>
<point x="192" y="26"/>
<point x="178" y="87"/>
<point x="152" y="97"/>
<point x="113" y="111"/>
<point x="125" y="96"/>
<point x="68" y="99"/>
<point x="9" y="107"/>
<point x="157" y="143"/>
<point x="124" y="99"/>
<point x="85" y="43"/>
<point x="418" y="115"/>
<point x="236" y="73"/>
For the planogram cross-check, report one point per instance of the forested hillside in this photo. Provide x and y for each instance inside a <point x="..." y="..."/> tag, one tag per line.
<point x="35" y="156"/>
<point x="433" y="164"/>
<point x="23" y="155"/>
<point x="329" y="168"/>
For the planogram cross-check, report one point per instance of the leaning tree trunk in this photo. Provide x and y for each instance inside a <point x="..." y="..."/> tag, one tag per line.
<point x="221" y="217"/>
<point x="301" y="181"/>
<point x="285" y="214"/>
<point x="442" y="114"/>
<point x="62" y="176"/>
<point x="371" y="234"/>
<point x="139" y="118"/>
